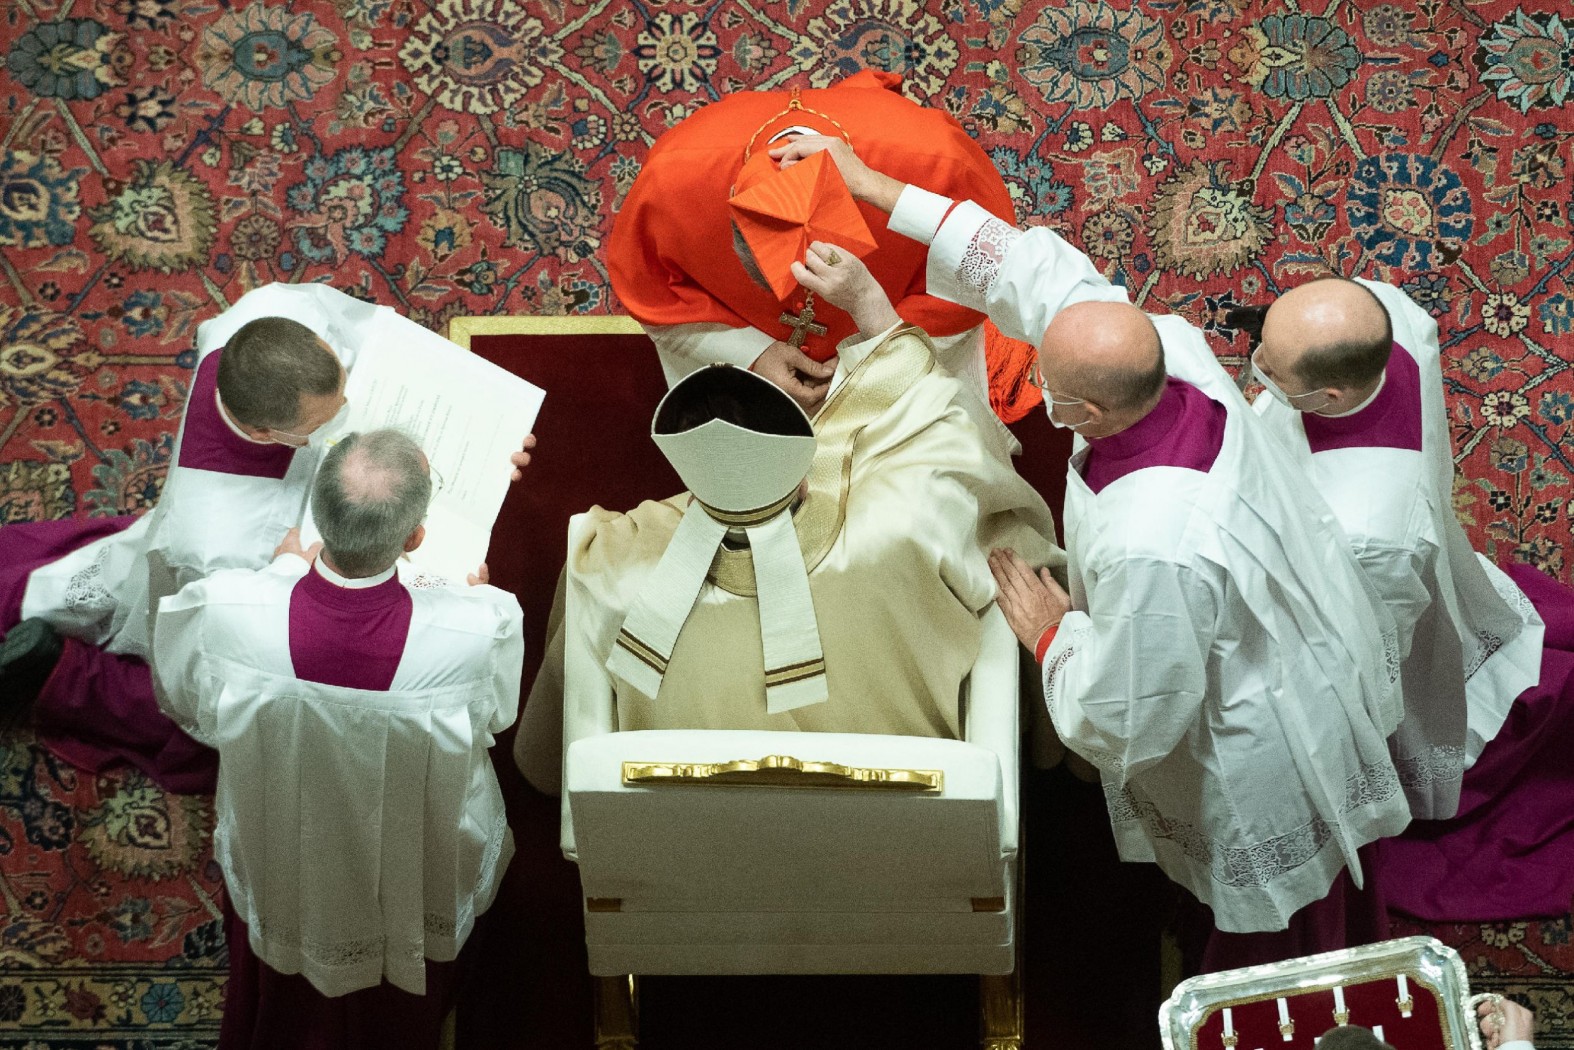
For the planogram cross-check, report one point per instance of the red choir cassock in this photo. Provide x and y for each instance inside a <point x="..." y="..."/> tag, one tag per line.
<point x="671" y="253"/>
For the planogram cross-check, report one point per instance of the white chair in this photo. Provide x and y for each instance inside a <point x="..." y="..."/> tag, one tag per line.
<point x="712" y="852"/>
<point x="1412" y="993"/>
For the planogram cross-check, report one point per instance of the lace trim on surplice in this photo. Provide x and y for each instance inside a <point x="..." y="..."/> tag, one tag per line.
<point x="1107" y="761"/>
<point x="985" y="253"/>
<point x="1439" y="764"/>
<point x="347" y="964"/>
<point x="86" y="596"/>
<point x="1256" y="863"/>
<point x="1488" y="643"/>
<point x="1253" y="864"/>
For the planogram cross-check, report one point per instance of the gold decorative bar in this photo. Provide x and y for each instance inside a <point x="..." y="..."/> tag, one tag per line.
<point x="782" y="771"/>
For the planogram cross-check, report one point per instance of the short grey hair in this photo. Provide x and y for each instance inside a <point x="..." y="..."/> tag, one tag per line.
<point x="371" y="493"/>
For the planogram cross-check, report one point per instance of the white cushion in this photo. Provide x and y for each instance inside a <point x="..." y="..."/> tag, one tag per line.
<point x="763" y="844"/>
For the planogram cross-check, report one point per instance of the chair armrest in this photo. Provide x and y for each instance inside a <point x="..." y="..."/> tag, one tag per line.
<point x="589" y="706"/>
<point x="994" y="708"/>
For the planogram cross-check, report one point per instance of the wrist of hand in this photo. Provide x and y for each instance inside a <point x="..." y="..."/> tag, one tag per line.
<point x="874" y="314"/>
<point x="1046" y="638"/>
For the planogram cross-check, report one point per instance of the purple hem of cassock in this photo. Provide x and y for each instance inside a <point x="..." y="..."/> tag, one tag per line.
<point x="268" y="1010"/>
<point x="208" y="443"/>
<point x="1392" y="420"/>
<point x="349" y="637"/>
<point x="1185" y="429"/>
<point x="97" y="710"/>
<point x="1345" y="918"/>
<point x="1509" y="852"/>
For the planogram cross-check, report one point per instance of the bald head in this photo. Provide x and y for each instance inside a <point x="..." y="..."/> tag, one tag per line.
<point x="1105" y="353"/>
<point x="369" y="498"/>
<point x="1331" y="332"/>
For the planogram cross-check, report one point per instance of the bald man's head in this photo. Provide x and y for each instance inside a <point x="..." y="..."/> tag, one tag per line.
<point x="1327" y="333"/>
<point x="369" y="498"/>
<point x="1106" y="353"/>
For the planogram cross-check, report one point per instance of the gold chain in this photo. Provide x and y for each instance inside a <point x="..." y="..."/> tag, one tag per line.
<point x="795" y="105"/>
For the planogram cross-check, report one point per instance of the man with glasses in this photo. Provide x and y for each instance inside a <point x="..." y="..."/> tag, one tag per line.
<point x="360" y="824"/>
<point x="1220" y="657"/>
<point x="270" y="376"/>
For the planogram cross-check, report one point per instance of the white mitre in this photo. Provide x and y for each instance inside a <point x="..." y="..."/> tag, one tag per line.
<point x="741" y="478"/>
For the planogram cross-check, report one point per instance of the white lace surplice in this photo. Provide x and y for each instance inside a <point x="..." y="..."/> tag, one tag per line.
<point x="204" y="520"/>
<point x="1227" y="666"/>
<point x="1471" y="640"/>
<point x="360" y="832"/>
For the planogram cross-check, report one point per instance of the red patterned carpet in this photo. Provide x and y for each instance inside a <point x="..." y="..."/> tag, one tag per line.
<point x="160" y="157"/>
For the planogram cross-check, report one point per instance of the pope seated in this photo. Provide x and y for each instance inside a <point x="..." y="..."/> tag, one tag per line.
<point x="825" y="577"/>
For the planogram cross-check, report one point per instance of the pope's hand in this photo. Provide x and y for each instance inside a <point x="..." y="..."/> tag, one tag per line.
<point x="806" y="380"/>
<point x="855" y="172"/>
<point x="1032" y="603"/>
<point x="841" y="279"/>
<point x="480" y="576"/>
<point x="291" y="544"/>
<point x="521" y="459"/>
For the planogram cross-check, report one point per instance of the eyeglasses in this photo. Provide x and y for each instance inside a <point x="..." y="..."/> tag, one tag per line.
<point x="1036" y="377"/>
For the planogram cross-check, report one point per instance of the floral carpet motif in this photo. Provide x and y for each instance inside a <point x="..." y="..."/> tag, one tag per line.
<point x="112" y="934"/>
<point x="455" y="157"/>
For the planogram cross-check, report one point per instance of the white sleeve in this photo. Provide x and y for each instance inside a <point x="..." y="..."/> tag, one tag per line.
<point x="1396" y="574"/>
<point x="508" y="655"/>
<point x="181" y="646"/>
<point x="686" y="348"/>
<point x="178" y="656"/>
<point x="1021" y="279"/>
<point x="1124" y="682"/>
<point x="919" y="213"/>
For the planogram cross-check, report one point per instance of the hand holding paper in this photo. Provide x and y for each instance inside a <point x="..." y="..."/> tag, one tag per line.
<point x="465" y="413"/>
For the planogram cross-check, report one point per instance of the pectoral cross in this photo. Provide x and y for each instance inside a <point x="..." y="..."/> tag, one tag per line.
<point x="802" y="323"/>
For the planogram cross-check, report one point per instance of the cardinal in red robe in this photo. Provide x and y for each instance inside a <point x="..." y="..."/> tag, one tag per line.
<point x="680" y="259"/>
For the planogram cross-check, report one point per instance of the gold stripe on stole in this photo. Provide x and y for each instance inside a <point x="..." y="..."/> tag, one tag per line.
<point x="869" y="390"/>
<point x="794" y="672"/>
<point x="642" y="652"/>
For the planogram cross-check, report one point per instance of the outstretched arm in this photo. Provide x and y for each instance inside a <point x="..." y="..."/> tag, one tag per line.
<point x="1021" y="279"/>
<point x="865" y="184"/>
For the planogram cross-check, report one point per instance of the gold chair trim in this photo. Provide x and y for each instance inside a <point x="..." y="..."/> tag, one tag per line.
<point x="462" y="329"/>
<point x="781" y="771"/>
